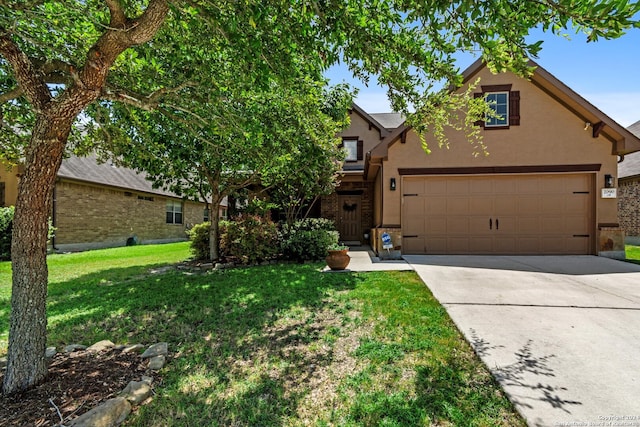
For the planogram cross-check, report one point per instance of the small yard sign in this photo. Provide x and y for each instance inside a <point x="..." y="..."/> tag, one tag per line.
<point x="386" y="241"/>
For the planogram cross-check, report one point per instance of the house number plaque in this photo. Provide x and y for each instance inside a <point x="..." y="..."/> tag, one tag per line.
<point x="609" y="193"/>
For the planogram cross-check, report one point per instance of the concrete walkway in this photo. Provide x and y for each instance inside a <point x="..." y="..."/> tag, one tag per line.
<point x="561" y="334"/>
<point x="363" y="259"/>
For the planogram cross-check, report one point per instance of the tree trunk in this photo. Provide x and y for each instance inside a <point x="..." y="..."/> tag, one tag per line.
<point x="27" y="335"/>
<point x="214" y="232"/>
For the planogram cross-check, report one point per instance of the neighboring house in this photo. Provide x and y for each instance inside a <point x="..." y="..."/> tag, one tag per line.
<point x="629" y="192"/>
<point x="100" y="205"/>
<point x="539" y="191"/>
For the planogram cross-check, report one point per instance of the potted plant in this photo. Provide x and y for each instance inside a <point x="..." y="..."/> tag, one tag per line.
<point x="338" y="259"/>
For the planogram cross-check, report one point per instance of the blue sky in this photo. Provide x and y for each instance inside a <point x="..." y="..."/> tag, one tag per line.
<point x="606" y="73"/>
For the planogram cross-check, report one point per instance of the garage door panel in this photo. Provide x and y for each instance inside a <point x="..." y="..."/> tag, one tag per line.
<point x="481" y="206"/>
<point x="413" y="186"/>
<point x="413" y="245"/>
<point x="505" y="245"/>
<point x="458" y="205"/>
<point x="458" y="225"/>
<point x="436" y="245"/>
<point x="529" y="214"/>
<point x="435" y="226"/>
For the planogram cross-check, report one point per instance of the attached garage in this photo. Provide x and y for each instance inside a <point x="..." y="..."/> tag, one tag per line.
<point x="499" y="214"/>
<point x="543" y="184"/>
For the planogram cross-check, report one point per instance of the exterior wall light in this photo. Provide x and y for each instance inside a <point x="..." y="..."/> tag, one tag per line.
<point x="392" y="184"/>
<point x="608" y="181"/>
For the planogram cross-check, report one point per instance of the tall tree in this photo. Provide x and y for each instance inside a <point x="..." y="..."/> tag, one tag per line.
<point x="59" y="57"/>
<point x="279" y="138"/>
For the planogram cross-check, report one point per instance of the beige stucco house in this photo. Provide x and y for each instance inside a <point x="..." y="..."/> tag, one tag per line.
<point x="99" y="205"/>
<point x="546" y="187"/>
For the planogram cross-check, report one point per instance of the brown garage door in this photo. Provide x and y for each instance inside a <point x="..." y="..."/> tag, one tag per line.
<point x="500" y="214"/>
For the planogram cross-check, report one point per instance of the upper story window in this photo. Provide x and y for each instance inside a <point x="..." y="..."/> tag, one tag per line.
<point x="504" y="102"/>
<point x="174" y="212"/>
<point x="499" y="103"/>
<point x="353" y="148"/>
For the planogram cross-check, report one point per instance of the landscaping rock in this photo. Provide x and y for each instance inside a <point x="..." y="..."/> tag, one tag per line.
<point x="206" y="266"/>
<point x="74" y="347"/>
<point x="110" y="414"/>
<point x="157" y="362"/>
<point x="50" y="352"/>
<point x="158" y="349"/>
<point x="147" y="380"/>
<point x="136" y="392"/>
<point x="3" y="362"/>
<point x="136" y="348"/>
<point x="101" y="345"/>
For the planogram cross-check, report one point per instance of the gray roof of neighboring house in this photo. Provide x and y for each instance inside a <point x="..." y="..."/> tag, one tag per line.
<point x="89" y="169"/>
<point x="630" y="166"/>
<point x="389" y="120"/>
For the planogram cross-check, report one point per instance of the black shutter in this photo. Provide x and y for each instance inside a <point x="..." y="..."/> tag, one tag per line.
<point x="514" y="108"/>
<point x="360" y="150"/>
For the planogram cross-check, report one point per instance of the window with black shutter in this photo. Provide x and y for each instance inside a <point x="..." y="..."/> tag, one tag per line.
<point x="504" y="102"/>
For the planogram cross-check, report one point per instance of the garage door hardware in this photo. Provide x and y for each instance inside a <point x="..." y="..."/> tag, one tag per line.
<point x="491" y="224"/>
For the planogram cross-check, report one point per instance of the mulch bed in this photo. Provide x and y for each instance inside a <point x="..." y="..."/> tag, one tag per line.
<point x="77" y="382"/>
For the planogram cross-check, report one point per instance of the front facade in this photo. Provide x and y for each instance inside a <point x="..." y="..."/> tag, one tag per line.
<point x="98" y="205"/>
<point x="540" y="190"/>
<point x="351" y="206"/>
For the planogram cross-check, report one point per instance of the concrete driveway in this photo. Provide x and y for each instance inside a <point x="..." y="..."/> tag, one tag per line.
<point x="561" y="334"/>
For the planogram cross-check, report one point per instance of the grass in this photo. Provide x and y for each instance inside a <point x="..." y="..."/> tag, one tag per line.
<point x="633" y="253"/>
<point x="277" y="345"/>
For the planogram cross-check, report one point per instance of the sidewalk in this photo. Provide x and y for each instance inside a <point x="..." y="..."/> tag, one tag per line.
<point x="363" y="259"/>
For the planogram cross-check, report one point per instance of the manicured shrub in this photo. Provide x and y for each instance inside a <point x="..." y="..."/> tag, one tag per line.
<point x="308" y="239"/>
<point x="249" y="239"/>
<point x="199" y="236"/>
<point x="6" y="222"/>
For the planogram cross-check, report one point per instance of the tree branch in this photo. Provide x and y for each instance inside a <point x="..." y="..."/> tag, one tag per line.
<point x="12" y="94"/>
<point x="25" y="73"/>
<point x="118" y="18"/>
<point x="146" y="26"/>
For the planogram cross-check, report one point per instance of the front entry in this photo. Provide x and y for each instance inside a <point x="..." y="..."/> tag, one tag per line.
<point x="349" y="218"/>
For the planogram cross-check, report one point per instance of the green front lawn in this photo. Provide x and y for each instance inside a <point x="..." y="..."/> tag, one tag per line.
<point x="273" y="345"/>
<point x="633" y="253"/>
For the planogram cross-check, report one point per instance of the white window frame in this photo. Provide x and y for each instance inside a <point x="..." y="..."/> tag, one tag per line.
<point x="351" y="148"/>
<point x="171" y="210"/>
<point x="503" y="120"/>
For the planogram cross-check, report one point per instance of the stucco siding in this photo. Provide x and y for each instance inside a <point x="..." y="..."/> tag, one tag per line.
<point x="548" y="134"/>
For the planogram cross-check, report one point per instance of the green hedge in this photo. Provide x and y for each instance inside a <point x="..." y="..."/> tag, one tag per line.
<point x="308" y="239"/>
<point x="6" y="222"/>
<point x="251" y="238"/>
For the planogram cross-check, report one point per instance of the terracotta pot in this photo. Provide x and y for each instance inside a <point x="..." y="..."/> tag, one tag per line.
<point x="338" y="260"/>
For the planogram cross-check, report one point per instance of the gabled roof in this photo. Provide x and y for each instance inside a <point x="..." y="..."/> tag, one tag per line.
<point x="623" y="141"/>
<point x="387" y="118"/>
<point x="630" y="165"/>
<point x="89" y="170"/>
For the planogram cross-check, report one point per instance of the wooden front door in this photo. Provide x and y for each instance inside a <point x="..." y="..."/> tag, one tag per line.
<point x="349" y="218"/>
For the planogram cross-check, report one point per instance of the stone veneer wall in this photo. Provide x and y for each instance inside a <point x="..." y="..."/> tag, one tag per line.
<point x="329" y="204"/>
<point x="629" y="207"/>
<point x="92" y="216"/>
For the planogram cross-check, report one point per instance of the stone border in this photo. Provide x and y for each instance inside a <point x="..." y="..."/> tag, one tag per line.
<point x="113" y="412"/>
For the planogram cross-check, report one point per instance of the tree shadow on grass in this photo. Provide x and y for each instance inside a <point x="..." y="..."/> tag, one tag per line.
<point x="215" y="325"/>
